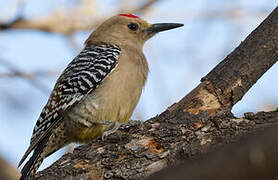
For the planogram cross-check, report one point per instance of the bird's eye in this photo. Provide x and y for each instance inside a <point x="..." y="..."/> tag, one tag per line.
<point x="132" y="26"/>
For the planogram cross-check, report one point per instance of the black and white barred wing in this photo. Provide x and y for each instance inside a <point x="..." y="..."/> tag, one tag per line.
<point x="81" y="77"/>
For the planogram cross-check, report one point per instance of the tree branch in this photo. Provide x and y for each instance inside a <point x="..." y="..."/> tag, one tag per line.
<point x="253" y="157"/>
<point x="68" y="20"/>
<point x="30" y="78"/>
<point x="227" y="83"/>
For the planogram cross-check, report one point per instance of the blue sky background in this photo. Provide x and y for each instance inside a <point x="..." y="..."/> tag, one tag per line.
<point x="178" y="59"/>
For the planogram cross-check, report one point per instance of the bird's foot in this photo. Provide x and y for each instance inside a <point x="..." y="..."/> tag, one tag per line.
<point x="113" y="127"/>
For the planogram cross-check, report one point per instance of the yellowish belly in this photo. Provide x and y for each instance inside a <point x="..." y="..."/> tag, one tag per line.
<point x="85" y="135"/>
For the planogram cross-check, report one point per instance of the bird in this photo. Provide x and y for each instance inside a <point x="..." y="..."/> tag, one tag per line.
<point x="97" y="91"/>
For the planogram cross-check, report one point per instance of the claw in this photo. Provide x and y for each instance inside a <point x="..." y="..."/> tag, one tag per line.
<point x="113" y="127"/>
<point x="103" y="136"/>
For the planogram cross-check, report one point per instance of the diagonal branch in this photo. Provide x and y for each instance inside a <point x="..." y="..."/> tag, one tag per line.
<point x="227" y="83"/>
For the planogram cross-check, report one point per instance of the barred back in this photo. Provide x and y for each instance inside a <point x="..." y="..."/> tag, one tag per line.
<point x="81" y="77"/>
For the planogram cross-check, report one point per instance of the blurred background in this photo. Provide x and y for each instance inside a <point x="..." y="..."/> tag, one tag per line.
<point x="45" y="35"/>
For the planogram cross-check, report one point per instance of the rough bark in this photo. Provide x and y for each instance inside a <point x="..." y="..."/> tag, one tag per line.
<point x="145" y="148"/>
<point x="252" y="157"/>
<point x="200" y="123"/>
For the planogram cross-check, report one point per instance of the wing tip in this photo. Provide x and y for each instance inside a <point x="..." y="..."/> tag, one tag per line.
<point x="28" y="151"/>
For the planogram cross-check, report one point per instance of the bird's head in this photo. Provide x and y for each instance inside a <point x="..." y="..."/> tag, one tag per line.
<point x="127" y="30"/>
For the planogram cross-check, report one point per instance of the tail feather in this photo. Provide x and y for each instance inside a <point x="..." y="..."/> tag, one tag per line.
<point x="35" y="161"/>
<point x="31" y="166"/>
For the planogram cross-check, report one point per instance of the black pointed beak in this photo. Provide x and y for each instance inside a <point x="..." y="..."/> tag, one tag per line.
<point x="155" y="28"/>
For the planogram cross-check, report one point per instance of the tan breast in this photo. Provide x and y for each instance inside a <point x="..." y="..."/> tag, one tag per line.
<point x="119" y="93"/>
<point x="114" y="99"/>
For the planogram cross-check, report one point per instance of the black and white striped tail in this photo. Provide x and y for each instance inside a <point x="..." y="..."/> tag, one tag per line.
<point x="35" y="161"/>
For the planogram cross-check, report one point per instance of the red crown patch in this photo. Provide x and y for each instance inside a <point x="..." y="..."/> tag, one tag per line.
<point x="129" y="15"/>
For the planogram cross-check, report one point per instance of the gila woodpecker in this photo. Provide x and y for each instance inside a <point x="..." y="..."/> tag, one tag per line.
<point x="97" y="91"/>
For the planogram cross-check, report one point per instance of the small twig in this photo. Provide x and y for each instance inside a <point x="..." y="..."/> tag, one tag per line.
<point x="30" y="75"/>
<point x="31" y="79"/>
